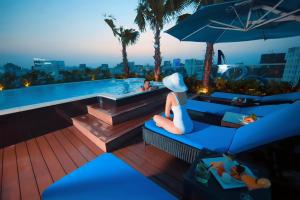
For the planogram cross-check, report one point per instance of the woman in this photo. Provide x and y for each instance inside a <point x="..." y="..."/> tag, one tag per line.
<point x="176" y="101"/>
<point x="146" y="86"/>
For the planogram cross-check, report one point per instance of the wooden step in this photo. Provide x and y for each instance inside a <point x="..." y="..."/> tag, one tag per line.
<point x="113" y="115"/>
<point x="134" y="98"/>
<point x="109" y="137"/>
<point x="82" y="104"/>
<point x="68" y="111"/>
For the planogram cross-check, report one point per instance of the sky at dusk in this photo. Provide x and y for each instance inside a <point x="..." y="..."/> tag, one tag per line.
<point x="74" y="31"/>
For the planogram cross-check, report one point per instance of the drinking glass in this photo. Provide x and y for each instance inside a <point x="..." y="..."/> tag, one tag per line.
<point x="202" y="174"/>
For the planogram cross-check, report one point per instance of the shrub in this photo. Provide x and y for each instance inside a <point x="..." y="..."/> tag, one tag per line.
<point x="150" y="76"/>
<point x="195" y="86"/>
<point x="252" y="87"/>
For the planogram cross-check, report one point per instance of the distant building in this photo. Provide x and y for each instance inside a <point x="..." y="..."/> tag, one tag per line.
<point x="272" y="58"/>
<point x="194" y="67"/>
<point x="25" y="71"/>
<point x="272" y="66"/>
<point x="12" y="68"/>
<point x="49" y="66"/>
<point x="181" y="70"/>
<point x="130" y="64"/>
<point x="119" y="69"/>
<point x="176" y="63"/>
<point x="291" y="72"/>
<point x="138" y="69"/>
<point x="82" y="67"/>
<point x="104" y="67"/>
<point x="71" y="68"/>
<point x="149" y="68"/>
<point x="167" y="63"/>
<point x="167" y="66"/>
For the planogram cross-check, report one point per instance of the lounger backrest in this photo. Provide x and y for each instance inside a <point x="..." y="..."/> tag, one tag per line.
<point x="281" y="124"/>
<point x="263" y="110"/>
<point x="227" y="95"/>
<point x="292" y="96"/>
<point x="212" y="108"/>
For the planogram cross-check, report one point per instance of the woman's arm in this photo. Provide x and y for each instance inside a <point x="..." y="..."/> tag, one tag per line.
<point x="168" y="106"/>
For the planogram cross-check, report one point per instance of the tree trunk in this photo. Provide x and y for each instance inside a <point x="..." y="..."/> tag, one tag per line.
<point x="157" y="54"/>
<point x="208" y="63"/>
<point x="125" y="61"/>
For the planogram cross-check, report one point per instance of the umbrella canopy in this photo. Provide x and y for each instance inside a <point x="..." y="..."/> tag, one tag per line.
<point x="241" y="20"/>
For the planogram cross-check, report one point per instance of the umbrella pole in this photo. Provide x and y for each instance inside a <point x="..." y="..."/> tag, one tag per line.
<point x="208" y="63"/>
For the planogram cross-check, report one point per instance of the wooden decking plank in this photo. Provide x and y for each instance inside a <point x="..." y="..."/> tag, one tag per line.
<point x="162" y="162"/>
<point x="86" y="152"/>
<point x="28" y="185"/>
<point x="40" y="169"/>
<point x="66" y="162"/>
<point x="1" y="162"/>
<point x="94" y="148"/>
<point x="149" y="172"/>
<point x="152" y="171"/>
<point x="53" y="164"/>
<point x="142" y="169"/>
<point x="70" y="149"/>
<point x="10" y="179"/>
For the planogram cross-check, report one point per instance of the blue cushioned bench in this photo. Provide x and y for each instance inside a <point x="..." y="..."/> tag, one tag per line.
<point x="221" y="109"/>
<point x="210" y="139"/>
<point x="211" y="108"/>
<point x="108" y="178"/>
<point x="286" y="97"/>
<point x="230" y="96"/>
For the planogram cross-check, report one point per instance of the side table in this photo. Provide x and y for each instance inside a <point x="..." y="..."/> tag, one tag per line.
<point x="194" y="190"/>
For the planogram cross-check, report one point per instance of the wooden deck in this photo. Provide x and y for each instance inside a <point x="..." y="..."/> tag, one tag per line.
<point x="27" y="168"/>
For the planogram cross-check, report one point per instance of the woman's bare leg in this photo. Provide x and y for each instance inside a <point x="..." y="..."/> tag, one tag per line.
<point x="166" y="124"/>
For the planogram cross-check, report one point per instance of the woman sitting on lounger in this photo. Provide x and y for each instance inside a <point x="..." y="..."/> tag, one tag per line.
<point x="176" y="101"/>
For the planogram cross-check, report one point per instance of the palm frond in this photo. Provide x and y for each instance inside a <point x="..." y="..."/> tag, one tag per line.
<point x="176" y="6"/>
<point x="140" y="18"/>
<point x="130" y="36"/>
<point x="182" y="17"/>
<point x="110" y="22"/>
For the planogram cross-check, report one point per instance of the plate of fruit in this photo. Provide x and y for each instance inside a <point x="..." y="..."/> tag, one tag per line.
<point x="249" y="119"/>
<point x="230" y="178"/>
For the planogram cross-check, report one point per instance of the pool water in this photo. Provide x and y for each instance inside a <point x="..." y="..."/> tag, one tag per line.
<point x="38" y="96"/>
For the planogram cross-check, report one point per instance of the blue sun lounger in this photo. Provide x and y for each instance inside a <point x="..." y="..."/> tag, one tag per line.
<point x="231" y="96"/>
<point x="286" y="97"/>
<point x="221" y="109"/>
<point x="209" y="139"/>
<point x="106" y="177"/>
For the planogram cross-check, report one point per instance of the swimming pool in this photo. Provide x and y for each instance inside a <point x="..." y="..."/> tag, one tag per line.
<point x="17" y="100"/>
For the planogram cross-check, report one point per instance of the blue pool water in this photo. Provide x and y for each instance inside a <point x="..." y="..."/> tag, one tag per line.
<point x="38" y="96"/>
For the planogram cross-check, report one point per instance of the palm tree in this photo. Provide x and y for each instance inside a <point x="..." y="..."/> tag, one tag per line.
<point x="126" y="37"/>
<point x="157" y="13"/>
<point x="209" y="45"/>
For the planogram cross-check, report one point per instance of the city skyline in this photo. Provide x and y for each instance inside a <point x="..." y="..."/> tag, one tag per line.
<point x="75" y="32"/>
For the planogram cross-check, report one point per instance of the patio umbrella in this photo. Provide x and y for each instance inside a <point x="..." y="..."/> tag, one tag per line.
<point x="238" y="20"/>
<point x="241" y="20"/>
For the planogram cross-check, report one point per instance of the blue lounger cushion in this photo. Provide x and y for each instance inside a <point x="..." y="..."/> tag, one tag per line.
<point x="106" y="177"/>
<point x="221" y="109"/>
<point x="211" y="108"/>
<point x="230" y="96"/>
<point x="292" y="96"/>
<point x="204" y="136"/>
<point x="281" y="124"/>
<point x="262" y="110"/>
